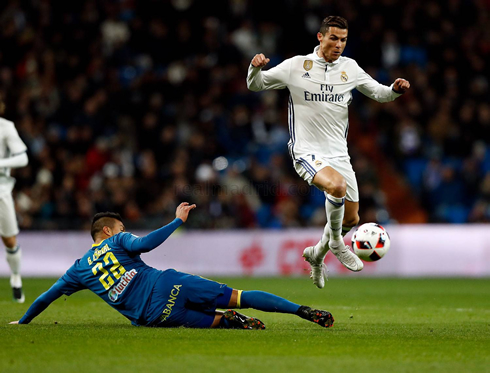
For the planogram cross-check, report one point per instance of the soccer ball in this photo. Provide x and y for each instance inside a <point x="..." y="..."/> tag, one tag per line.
<point x="370" y="242"/>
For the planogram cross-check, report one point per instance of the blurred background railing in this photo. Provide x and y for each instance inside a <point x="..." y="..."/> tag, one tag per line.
<point x="418" y="250"/>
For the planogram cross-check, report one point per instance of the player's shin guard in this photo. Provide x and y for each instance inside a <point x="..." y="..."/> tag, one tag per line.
<point x="14" y="256"/>
<point x="267" y="302"/>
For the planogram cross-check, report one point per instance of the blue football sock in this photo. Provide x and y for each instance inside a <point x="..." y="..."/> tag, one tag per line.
<point x="260" y="300"/>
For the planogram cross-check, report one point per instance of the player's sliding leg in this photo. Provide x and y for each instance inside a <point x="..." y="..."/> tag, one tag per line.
<point x="14" y="256"/>
<point x="231" y="319"/>
<point x="198" y="298"/>
<point x="267" y="302"/>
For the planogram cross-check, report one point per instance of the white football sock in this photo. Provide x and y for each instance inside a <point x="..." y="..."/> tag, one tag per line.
<point x="14" y="256"/>
<point x="321" y="248"/>
<point x="335" y="216"/>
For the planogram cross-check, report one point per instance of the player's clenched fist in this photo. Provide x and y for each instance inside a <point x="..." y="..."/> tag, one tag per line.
<point x="183" y="210"/>
<point x="401" y="85"/>
<point x="260" y="60"/>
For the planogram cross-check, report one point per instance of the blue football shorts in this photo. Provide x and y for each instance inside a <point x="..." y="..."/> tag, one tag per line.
<point x="188" y="300"/>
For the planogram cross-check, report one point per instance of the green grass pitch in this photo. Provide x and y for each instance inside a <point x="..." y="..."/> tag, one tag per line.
<point x="381" y="325"/>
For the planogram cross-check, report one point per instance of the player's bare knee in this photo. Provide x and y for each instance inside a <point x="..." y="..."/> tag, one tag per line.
<point x="10" y="241"/>
<point x="338" y="188"/>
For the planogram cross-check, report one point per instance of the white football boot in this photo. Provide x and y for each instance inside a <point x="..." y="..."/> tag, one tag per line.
<point x="318" y="271"/>
<point x="346" y="256"/>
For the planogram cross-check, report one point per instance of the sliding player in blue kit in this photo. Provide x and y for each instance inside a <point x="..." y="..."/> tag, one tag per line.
<point x="114" y="271"/>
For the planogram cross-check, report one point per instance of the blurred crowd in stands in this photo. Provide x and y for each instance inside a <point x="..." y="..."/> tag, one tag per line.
<point x="134" y="106"/>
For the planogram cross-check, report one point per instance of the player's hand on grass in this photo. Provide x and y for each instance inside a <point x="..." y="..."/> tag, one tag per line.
<point x="401" y="85"/>
<point x="260" y="60"/>
<point x="183" y="210"/>
<point x="13" y="322"/>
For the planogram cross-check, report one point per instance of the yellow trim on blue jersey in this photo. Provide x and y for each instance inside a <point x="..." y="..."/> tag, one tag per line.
<point x="239" y="298"/>
<point x="98" y="244"/>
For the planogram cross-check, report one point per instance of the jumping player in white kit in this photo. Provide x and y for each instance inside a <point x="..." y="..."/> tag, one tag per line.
<point x="320" y="86"/>
<point x="12" y="155"/>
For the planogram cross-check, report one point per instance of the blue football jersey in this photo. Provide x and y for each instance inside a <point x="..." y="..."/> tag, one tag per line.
<point x="116" y="273"/>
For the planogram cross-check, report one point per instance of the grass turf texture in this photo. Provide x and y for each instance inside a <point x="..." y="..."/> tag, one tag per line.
<point x="381" y="325"/>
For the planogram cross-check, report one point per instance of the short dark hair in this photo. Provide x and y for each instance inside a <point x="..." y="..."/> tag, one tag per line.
<point x="333" y="21"/>
<point x="2" y="107"/>
<point x="101" y="220"/>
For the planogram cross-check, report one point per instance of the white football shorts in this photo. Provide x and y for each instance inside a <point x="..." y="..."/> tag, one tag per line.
<point x="307" y="165"/>
<point x="8" y="219"/>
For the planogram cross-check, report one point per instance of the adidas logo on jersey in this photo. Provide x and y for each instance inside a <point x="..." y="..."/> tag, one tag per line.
<point x="306" y="75"/>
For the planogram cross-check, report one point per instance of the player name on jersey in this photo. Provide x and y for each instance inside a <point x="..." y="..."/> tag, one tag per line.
<point x="98" y="253"/>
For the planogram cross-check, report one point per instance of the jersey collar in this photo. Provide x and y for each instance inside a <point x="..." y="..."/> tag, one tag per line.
<point x="98" y="244"/>
<point x="314" y="56"/>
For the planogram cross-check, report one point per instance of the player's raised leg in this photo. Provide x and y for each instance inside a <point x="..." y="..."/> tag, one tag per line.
<point x="351" y="218"/>
<point x="334" y="186"/>
<point x="315" y="255"/>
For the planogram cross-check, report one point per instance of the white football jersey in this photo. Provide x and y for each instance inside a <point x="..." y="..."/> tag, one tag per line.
<point x="320" y="93"/>
<point x="10" y="144"/>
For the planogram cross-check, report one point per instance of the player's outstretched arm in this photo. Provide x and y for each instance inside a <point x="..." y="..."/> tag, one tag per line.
<point x="156" y="238"/>
<point x="40" y="304"/>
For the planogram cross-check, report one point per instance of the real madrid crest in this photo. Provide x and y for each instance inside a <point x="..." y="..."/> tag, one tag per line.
<point x="343" y="76"/>
<point x="308" y="64"/>
<point x="318" y="163"/>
